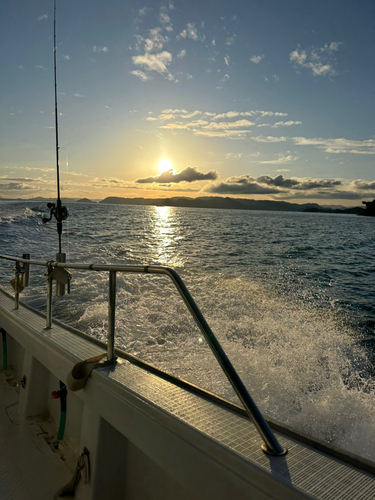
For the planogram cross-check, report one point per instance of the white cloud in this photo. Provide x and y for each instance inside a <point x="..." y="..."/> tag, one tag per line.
<point x="339" y="145"/>
<point x="229" y="156"/>
<point x="181" y="54"/>
<point x="256" y="59"/>
<point x="226" y="60"/>
<point x="141" y="75"/>
<point x="99" y="49"/>
<point x="191" y="32"/>
<point x="79" y="95"/>
<point x="319" y="60"/>
<point x="261" y="138"/>
<point x="280" y="159"/>
<point x="41" y="67"/>
<point x="154" y="62"/>
<point x="163" y="15"/>
<point x="229" y="125"/>
<point x="44" y="16"/>
<point x="289" y="123"/>
<point x="65" y="56"/>
<point x="20" y="67"/>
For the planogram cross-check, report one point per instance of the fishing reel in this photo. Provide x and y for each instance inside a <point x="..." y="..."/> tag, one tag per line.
<point x="60" y="213"/>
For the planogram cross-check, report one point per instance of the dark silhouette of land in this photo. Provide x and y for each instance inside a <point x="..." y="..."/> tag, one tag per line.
<point x="220" y="202"/>
<point x="230" y="203"/>
<point x="85" y="200"/>
<point x="370" y="208"/>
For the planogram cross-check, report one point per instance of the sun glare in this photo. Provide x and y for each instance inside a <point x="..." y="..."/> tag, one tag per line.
<point x="164" y="165"/>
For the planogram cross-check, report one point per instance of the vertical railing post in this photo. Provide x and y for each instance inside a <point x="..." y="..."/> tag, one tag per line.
<point x="26" y="275"/>
<point x="111" y="316"/>
<point x="49" y="298"/>
<point x="17" y="286"/>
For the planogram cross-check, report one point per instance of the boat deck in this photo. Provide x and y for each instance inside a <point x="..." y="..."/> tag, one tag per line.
<point x="223" y="436"/>
<point x="29" y="468"/>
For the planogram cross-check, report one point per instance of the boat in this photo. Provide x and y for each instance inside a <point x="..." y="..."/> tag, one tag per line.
<point x="126" y="429"/>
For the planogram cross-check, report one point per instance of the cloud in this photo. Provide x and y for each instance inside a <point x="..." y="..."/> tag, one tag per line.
<point x="339" y="145"/>
<point x="228" y="134"/>
<point x="289" y="123"/>
<point x="163" y="15"/>
<point x="280" y="159"/>
<point x="229" y="125"/>
<point x="223" y="125"/>
<point x="14" y="186"/>
<point x="141" y="75"/>
<point x="79" y="95"/>
<point x="41" y="67"/>
<point x="269" y="138"/>
<point x="181" y="54"/>
<point x="191" y="32"/>
<point x="154" y="62"/>
<point x="189" y="174"/>
<point x="226" y="60"/>
<point x="65" y="56"/>
<point x="244" y="184"/>
<point x="99" y="49"/>
<point x="362" y="185"/>
<point x="44" y="16"/>
<point x="20" y="67"/>
<point x="256" y="59"/>
<point x="286" y="188"/>
<point x="18" y="179"/>
<point x="319" y="60"/>
<point x="228" y="156"/>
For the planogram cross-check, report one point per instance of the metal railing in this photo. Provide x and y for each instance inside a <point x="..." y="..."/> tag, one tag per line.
<point x="271" y="444"/>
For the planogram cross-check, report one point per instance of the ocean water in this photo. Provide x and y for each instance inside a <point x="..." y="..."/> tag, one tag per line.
<point x="290" y="296"/>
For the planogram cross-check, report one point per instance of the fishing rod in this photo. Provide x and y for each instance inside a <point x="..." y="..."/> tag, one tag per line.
<point x="56" y="209"/>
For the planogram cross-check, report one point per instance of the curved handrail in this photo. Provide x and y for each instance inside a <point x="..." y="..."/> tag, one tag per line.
<point x="271" y="444"/>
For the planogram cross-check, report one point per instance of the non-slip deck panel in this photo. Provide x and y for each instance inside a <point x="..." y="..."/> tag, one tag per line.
<point x="309" y="470"/>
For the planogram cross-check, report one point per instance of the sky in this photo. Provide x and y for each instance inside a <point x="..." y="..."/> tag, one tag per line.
<point x="251" y="99"/>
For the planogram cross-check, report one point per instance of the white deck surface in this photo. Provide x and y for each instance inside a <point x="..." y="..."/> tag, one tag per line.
<point x="198" y="420"/>
<point x="29" y="468"/>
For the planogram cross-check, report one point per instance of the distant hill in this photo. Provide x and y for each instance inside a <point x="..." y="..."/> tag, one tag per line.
<point x="214" y="202"/>
<point x="85" y="200"/>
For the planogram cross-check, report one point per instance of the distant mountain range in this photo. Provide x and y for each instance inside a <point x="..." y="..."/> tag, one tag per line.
<point x="231" y="203"/>
<point x="214" y="202"/>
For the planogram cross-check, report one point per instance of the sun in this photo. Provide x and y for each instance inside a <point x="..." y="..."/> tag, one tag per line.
<point x="164" y="166"/>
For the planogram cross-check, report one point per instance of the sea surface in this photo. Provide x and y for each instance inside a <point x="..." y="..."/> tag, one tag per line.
<point x="290" y="296"/>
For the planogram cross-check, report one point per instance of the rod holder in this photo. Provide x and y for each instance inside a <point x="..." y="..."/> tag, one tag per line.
<point x="26" y="270"/>
<point x="49" y="298"/>
<point x="60" y="287"/>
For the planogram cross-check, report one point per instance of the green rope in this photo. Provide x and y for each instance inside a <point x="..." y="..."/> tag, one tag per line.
<point x="5" y="356"/>
<point x="60" y="433"/>
<point x="5" y="351"/>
